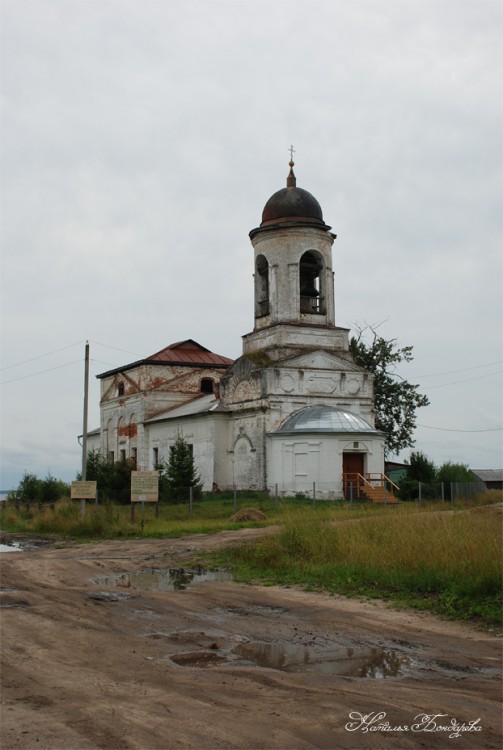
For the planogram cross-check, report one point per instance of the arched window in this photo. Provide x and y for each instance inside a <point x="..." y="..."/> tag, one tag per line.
<point x="312" y="299"/>
<point x="206" y="385"/>
<point x="261" y="287"/>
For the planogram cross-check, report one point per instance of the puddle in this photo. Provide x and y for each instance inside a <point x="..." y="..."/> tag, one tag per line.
<point x="14" y="547"/>
<point x="167" y="579"/>
<point x="371" y="663"/>
<point x="198" y="659"/>
<point x="7" y="601"/>
<point x="253" y="610"/>
<point x="107" y="596"/>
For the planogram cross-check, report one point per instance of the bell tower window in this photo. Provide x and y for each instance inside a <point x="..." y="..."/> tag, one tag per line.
<point x="262" y="306"/>
<point x="312" y="298"/>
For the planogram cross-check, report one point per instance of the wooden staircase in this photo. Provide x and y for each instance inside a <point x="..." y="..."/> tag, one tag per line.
<point x="378" y="494"/>
<point x="376" y="488"/>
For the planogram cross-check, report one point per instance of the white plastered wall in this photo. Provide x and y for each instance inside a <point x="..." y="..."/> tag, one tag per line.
<point x="297" y="461"/>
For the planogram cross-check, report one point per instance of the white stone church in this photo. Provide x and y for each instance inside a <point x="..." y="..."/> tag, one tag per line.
<point x="293" y="410"/>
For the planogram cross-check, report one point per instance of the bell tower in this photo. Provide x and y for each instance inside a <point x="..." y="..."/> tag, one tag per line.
<point x="294" y="286"/>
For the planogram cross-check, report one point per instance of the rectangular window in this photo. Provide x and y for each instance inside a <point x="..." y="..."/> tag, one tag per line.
<point x="155" y="453"/>
<point x="134" y="456"/>
<point x="123" y="455"/>
<point x="111" y="457"/>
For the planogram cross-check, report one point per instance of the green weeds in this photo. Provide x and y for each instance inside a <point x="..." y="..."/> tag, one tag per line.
<point x="441" y="557"/>
<point x="449" y="563"/>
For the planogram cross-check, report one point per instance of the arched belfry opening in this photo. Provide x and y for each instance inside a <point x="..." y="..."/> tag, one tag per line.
<point x="262" y="304"/>
<point x="294" y="284"/>
<point x="311" y="283"/>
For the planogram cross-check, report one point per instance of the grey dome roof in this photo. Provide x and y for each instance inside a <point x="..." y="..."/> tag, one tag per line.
<point x="325" y="419"/>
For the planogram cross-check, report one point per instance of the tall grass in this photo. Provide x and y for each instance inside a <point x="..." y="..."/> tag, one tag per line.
<point x="447" y="562"/>
<point x="443" y="557"/>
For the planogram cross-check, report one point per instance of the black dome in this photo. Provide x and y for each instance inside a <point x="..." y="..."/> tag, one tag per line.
<point x="292" y="203"/>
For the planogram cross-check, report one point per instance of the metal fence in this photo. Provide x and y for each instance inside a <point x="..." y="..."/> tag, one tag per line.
<point x="277" y="495"/>
<point x="444" y="491"/>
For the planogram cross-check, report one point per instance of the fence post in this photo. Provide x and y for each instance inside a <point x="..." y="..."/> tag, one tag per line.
<point x="351" y="493"/>
<point x="191" y="495"/>
<point x="235" y="497"/>
<point x="385" y="493"/>
<point x="442" y="491"/>
<point x="314" y="494"/>
<point x="420" y="494"/>
<point x="276" y="498"/>
<point x="452" y="491"/>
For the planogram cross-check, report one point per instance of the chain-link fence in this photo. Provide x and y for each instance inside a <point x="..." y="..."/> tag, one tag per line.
<point x="439" y="491"/>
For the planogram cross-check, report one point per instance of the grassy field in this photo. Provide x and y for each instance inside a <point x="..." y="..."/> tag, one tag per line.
<point x="443" y="557"/>
<point x="445" y="562"/>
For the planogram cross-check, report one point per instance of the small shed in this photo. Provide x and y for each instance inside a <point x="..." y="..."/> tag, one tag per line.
<point x="492" y="478"/>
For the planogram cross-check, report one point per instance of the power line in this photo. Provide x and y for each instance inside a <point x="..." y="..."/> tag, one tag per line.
<point x="468" y="380"/>
<point x="41" y="372"/>
<point x="452" y="372"/>
<point x="107" y="346"/>
<point x="39" y="356"/>
<point x="447" y="429"/>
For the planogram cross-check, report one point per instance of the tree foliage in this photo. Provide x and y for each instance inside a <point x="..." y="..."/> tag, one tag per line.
<point x="395" y="399"/>
<point x="421" y="468"/>
<point x="422" y="471"/>
<point x="31" y="489"/>
<point x="451" y="472"/>
<point x="180" y="473"/>
<point x="113" y="478"/>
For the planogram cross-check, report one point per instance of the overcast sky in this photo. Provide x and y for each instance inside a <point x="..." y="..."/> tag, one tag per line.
<point x="140" y="141"/>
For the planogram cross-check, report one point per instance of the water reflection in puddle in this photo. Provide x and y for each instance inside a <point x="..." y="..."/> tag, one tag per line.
<point x="371" y="663"/>
<point x="14" y="547"/>
<point x="164" y="579"/>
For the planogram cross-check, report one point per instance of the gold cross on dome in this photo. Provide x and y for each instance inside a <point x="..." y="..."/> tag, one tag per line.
<point x="292" y="152"/>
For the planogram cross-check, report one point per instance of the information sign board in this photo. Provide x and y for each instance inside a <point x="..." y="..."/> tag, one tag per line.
<point x="144" y="486"/>
<point x="83" y="491"/>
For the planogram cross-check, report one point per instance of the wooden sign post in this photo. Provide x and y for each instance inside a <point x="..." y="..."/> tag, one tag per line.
<point x="144" y="489"/>
<point x="83" y="491"/>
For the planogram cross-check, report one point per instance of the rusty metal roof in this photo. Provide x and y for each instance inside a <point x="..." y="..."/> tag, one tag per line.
<point x="291" y="206"/>
<point x="292" y="203"/>
<point x="186" y="353"/>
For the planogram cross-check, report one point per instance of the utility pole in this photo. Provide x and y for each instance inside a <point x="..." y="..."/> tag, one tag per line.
<point x="84" y="434"/>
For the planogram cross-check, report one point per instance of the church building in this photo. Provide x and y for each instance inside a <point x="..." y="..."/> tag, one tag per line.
<point x="291" y="411"/>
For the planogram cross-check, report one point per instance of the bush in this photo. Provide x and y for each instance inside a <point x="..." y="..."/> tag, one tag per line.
<point x="421" y="468"/>
<point x="450" y="472"/>
<point x="113" y="479"/>
<point x="31" y="489"/>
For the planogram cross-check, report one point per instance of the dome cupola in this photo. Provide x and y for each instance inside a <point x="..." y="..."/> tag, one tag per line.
<point x="292" y="205"/>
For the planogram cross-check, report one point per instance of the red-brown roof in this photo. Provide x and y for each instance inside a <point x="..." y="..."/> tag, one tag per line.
<point x="189" y="352"/>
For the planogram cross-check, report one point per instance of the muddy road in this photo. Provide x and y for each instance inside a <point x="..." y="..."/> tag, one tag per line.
<point x="103" y="648"/>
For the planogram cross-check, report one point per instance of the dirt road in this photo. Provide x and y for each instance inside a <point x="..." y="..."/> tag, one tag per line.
<point x="87" y="663"/>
